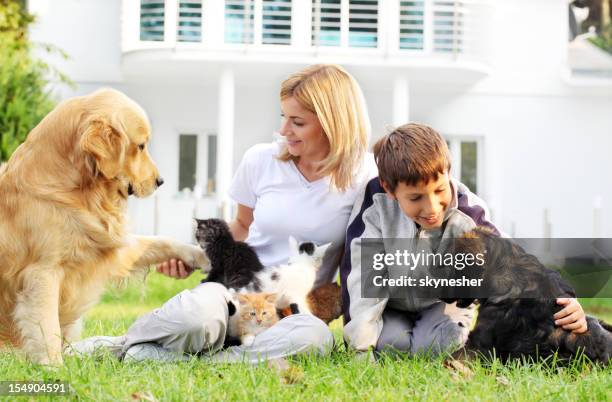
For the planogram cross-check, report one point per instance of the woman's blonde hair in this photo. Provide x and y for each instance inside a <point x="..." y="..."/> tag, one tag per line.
<point x="332" y="94"/>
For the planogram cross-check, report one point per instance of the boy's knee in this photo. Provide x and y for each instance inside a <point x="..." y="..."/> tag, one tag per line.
<point x="446" y="337"/>
<point x="396" y="342"/>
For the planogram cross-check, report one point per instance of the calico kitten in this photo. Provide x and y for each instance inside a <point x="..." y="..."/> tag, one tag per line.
<point x="294" y="280"/>
<point x="233" y="263"/>
<point x="255" y="312"/>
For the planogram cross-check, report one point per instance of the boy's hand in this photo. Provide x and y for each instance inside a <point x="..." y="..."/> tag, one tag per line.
<point x="571" y="317"/>
<point x="176" y="269"/>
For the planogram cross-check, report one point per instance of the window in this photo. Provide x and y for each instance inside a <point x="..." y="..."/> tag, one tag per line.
<point x="211" y="172"/>
<point x="412" y="24"/>
<point x="469" y="165"/>
<point x="151" y="20"/>
<point x="466" y="161"/>
<point x="190" y="21"/>
<point x="448" y="26"/>
<point x="363" y="23"/>
<point x="326" y="23"/>
<point x="239" y="15"/>
<point x="276" y="21"/>
<point x="188" y="154"/>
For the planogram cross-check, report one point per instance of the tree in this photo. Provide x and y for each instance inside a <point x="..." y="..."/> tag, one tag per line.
<point x="25" y="95"/>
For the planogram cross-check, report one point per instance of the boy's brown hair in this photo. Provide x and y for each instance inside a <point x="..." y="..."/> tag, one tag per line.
<point x="411" y="154"/>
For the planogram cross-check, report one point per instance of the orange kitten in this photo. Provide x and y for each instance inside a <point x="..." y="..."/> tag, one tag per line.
<point x="255" y="312"/>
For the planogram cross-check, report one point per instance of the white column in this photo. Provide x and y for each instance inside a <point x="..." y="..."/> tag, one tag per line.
<point x="257" y="21"/>
<point x="170" y="22"/>
<point x="301" y="24"/>
<point x="428" y="26"/>
<point x="401" y="101"/>
<point x="213" y="23"/>
<point x="130" y="25"/>
<point x="344" y="23"/>
<point x="225" y="142"/>
<point x="455" y="150"/>
<point x="388" y="25"/>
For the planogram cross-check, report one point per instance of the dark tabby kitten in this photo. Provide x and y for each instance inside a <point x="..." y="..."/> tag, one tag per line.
<point x="233" y="263"/>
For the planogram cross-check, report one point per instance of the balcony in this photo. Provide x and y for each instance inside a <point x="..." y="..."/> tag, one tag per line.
<point x="422" y="36"/>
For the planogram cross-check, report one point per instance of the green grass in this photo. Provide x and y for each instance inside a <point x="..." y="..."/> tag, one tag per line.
<point x="337" y="377"/>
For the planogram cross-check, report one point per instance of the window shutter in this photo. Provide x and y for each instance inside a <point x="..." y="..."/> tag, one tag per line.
<point x="412" y="24"/>
<point x="190" y="21"/>
<point x="276" y="20"/>
<point x="239" y="16"/>
<point x="363" y="23"/>
<point x="448" y="26"/>
<point x="326" y="22"/>
<point x="151" y="20"/>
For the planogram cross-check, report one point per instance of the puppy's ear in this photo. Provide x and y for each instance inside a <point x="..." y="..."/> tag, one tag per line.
<point x="106" y="146"/>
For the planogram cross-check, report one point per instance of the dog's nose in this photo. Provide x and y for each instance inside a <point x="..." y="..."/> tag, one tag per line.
<point x="159" y="181"/>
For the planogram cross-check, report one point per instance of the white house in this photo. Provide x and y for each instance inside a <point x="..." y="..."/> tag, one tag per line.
<point x="527" y="114"/>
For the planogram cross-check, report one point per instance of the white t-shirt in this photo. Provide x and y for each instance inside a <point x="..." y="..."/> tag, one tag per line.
<point x="286" y="204"/>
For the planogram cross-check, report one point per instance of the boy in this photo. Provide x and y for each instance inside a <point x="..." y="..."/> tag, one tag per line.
<point x="414" y="197"/>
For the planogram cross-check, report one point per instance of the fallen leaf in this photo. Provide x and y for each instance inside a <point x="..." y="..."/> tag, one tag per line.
<point x="143" y="396"/>
<point x="502" y="380"/>
<point x="457" y="368"/>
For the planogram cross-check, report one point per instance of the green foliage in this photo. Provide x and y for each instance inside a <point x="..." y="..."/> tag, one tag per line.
<point x="604" y="39"/>
<point x="25" y="97"/>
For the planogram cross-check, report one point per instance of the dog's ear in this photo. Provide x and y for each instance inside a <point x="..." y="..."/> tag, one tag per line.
<point x="106" y="146"/>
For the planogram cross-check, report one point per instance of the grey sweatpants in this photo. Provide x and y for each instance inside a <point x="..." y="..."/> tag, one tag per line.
<point x="439" y="328"/>
<point x="196" y="320"/>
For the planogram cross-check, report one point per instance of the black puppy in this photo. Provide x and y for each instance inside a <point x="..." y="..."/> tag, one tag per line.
<point x="233" y="263"/>
<point x="515" y="320"/>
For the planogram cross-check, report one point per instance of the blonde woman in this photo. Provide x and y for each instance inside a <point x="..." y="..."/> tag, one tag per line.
<point x="303" y="186"/>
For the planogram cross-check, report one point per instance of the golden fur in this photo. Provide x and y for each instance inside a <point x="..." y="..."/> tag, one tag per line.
<point x="63" y="196"/>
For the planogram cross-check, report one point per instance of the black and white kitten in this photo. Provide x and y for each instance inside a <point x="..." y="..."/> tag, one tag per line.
<point x="233" y="263"/>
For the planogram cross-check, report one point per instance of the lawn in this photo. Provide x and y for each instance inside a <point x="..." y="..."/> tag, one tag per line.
<point x="338" y="377"/>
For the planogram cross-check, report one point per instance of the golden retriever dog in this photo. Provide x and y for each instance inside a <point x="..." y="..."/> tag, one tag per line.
<point x="63" y="195"/>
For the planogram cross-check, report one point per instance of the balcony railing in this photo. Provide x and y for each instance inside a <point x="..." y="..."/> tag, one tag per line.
<point x="430" y="27"/>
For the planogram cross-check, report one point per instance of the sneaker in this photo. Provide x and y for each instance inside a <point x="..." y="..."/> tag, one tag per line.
<point x="97" y="344"/>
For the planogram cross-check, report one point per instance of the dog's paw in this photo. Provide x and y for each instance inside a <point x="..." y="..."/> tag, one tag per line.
<point x="195" y="257"/>
<point x="44" y="359"/>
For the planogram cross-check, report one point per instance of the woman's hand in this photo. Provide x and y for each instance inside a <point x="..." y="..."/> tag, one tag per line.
<point x="176" y="269"/>
<point x="571" y="317"/>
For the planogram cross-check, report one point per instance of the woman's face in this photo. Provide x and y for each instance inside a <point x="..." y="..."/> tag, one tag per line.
<point x="303" y="132"/>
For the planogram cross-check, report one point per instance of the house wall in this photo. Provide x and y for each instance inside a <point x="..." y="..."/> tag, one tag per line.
<point x="545" y="138"/>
